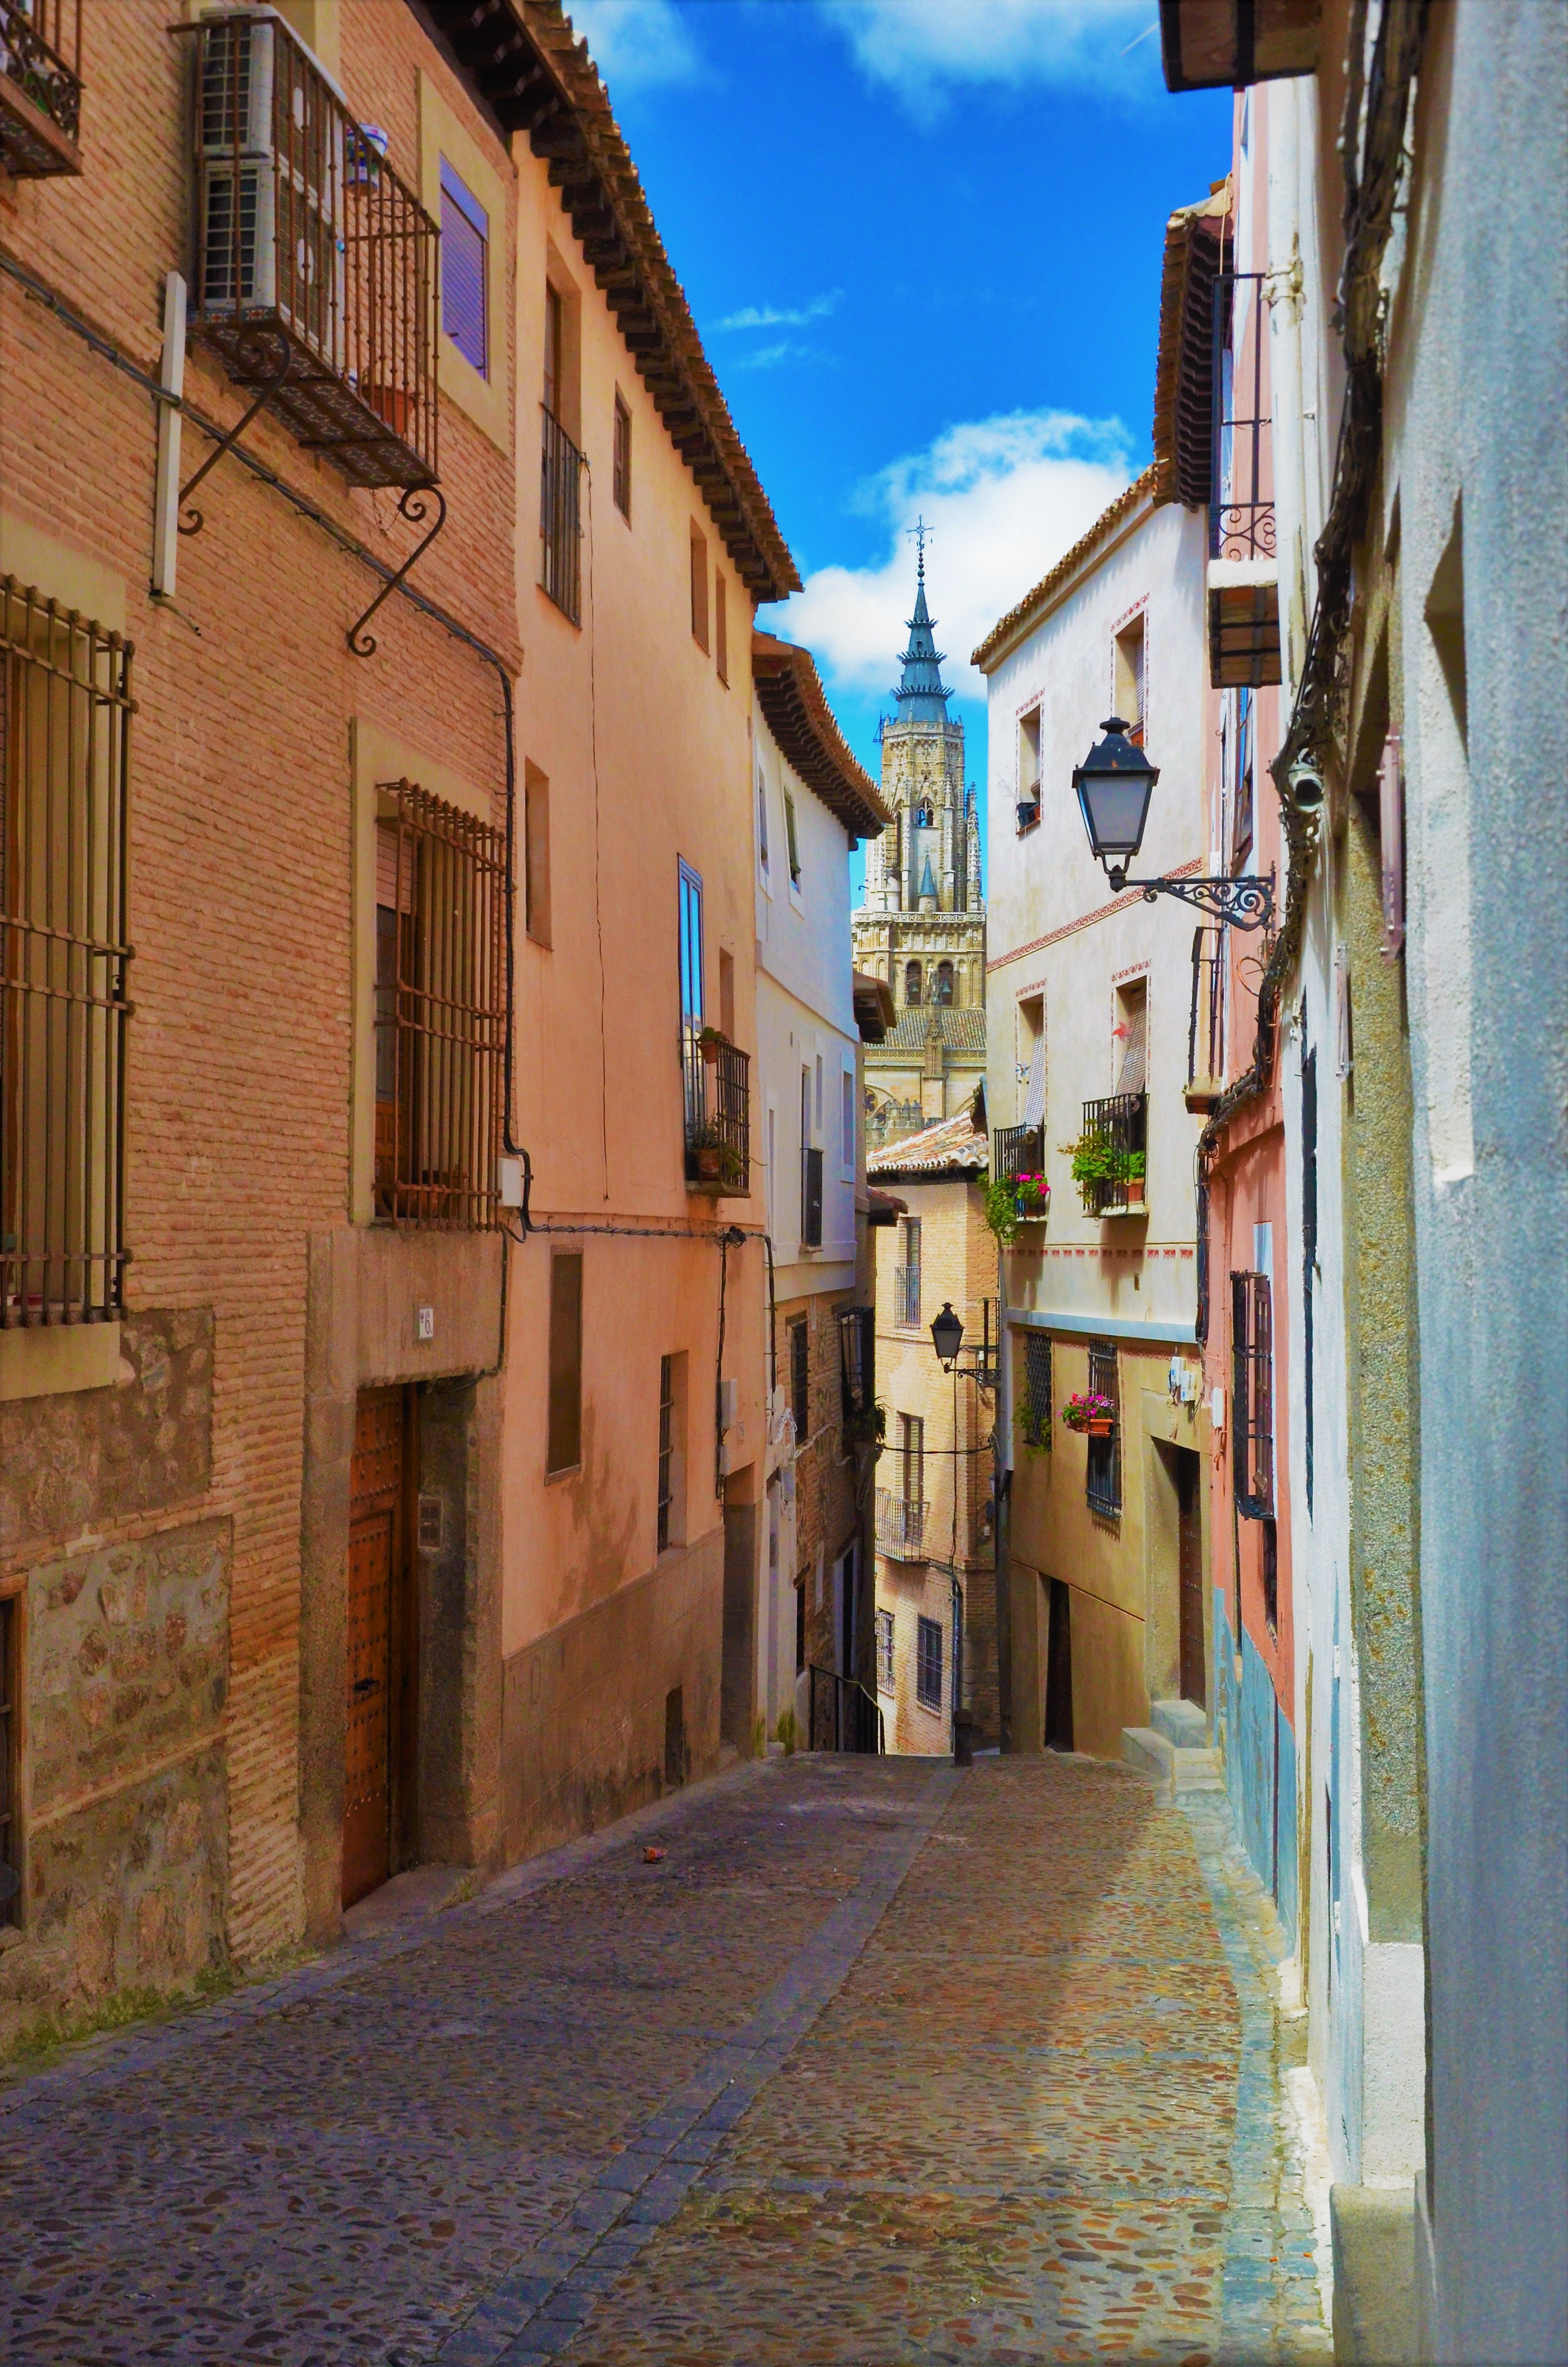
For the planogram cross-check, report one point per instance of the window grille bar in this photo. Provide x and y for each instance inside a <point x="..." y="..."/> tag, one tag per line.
<point x="1241" y="511"/>
<point x="561" y="529"/>
<point x="441" y="1018"/>
<point x="308" y="241"/>
<point x="65" y="704"/>
<point x="1035" y="1413"/>
<point x="1205" y="1027"/>
<point x="1102" y="1485"/>
<point x="900" y="1525"/>
<point x="1120" y="1121"/>
<point x="718" y="1097"/>
<point x="1252" y="1389"/>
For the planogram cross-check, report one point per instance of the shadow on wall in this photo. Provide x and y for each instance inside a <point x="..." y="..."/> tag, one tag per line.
<point x="1260" y="1765"/>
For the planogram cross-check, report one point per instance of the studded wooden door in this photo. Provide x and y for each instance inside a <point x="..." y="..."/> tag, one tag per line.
<point x="376" y="1494"/>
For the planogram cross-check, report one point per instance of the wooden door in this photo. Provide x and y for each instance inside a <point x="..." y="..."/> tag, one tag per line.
<point x="1190" y="1568"/>
<point x="375" y="1525"/>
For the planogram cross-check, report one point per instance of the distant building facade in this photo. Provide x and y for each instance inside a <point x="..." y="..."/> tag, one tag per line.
<point x="922" y="926"/>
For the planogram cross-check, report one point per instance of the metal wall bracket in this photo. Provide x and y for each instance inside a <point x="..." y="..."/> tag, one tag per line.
<point x="272" y="386"/>
<point x="415" y="508"/>
<point x="1236" y="903"/>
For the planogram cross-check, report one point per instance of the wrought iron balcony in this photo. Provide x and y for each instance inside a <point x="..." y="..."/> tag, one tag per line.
<point x="40" y="87"/>
<point x="900" y="1526"/>
<point x="907" y="1296"/>
<point x="560" y="524"/>
<point x="1244" y="597"/>
<point x="316" y="271"/>
<point x="718" y="1118"/>
<point x="1115" y="1131"/>
<point x="1017" y="1150"/>
<point x="1205" y="1028"/>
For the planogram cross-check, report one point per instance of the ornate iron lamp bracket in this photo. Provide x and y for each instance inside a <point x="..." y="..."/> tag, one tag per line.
<point x="272" y="386"/>
<point x="415" y="508"/>
<point x="1239" y="903"/>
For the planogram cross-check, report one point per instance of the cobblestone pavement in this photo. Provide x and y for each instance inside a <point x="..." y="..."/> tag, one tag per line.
<point x="883" y="2066"/>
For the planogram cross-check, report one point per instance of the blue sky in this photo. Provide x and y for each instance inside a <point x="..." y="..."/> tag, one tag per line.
<point x="922" y="240"/>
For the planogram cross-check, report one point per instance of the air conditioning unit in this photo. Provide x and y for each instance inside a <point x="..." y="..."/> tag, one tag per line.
<point x="270" y="165"/>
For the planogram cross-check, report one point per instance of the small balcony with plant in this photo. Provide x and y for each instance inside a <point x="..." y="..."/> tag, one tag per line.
<point x="41" y="88"/>
<point x="1111" y="1156"/>
<point x="717" y="1079"/>
<point x="1018" y="1193"/>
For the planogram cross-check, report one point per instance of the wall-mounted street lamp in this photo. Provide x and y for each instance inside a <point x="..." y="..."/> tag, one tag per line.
<point x="1115" y="783"/>
<point x="947" y="1338"/>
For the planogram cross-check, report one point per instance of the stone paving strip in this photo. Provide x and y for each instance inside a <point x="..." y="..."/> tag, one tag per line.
<point x="883" y="2065"/>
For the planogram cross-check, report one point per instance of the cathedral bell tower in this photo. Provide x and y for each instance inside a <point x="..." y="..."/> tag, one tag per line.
<point x="922" y="926"/>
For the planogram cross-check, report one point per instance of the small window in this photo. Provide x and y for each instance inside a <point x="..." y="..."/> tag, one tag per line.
<point x="621" y="479"/>
<point x="1102" y="1483"/>
<point x="726" y="995"/>
<point x="691" y="961"/>
<point x="537" y="853"/>
<point x="699" y="590"/>
<point x="1035" y="1411"/>
<point x="912" y="983"/>
<point x="464" y="253"/>
<point x="928" y="1664"/>
<point x="912" y="1458"/>
<point x="720" y="627"/>
<point x="818" y="1125"/>
<point x="791" y="840"/>
<point x="764" y="857"/>
<point x="672" y="1452"/>
<point x="885" y="1651"/>
<point x="1130" y="1036"/>
<point x="1252" y="1384"/>
<point x="847" y="1117"/>
<point x="942" y="984"/>
<point x="800" y="1380"/>
<point x="564" y="1447"/>
<point x="555" y="348"/>
<point x="907" y="1277"/>
<point x="1029" y="769"/>
<point x="10" y="1850"/>
<point x="1127" y="689"/>
<point x="1241" y="796"/>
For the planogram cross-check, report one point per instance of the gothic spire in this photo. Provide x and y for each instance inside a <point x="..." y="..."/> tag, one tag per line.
<point x="921" y="694"/>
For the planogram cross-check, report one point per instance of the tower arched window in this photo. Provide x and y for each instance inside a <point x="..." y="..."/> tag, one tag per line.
<point x="911" y="982"/>
<point x="941" y="989"/>
<point x="925" y="817"/>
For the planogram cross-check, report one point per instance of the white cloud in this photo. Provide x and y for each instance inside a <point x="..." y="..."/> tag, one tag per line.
<point x="636" y="44"/>
<point x="1004" y="499"/>
<point x="771" y="316"/>
<point x="771" y="357"/>
<point x="922" y="48"/>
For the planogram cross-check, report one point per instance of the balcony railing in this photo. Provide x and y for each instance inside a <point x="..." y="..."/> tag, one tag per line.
<point x="900" y="1526"/>
<point x="560" y="530"/>
<point x="1118" y="1127"/>
<point x="1017" y="1150"/>
<point x="316" y="268"/>
<point x="811" y="1199"/>
<point x="907" y="1296"/>
<point x="1205" y="1028"/>
<point x="40" y="87"/>
<point x="1241" y="512"/>
<point x="718" y="1118"/>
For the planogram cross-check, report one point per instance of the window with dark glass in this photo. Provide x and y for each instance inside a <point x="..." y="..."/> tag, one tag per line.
<point x="800" y="1380"/>
<point x="10" y="1852"/>
<point x="621" y="473"/>
<point x="911" y="982"/>
<point x="885" y="1651"/>
<point x="666" y="1445"/>
<point x="1103" y="1482"/>
<point x="941" y="991"/>
<point x="1252" y="1422"/>
<point x="464" y="253"/>
<point x="563" y="1450"/>
<point x="928" y="1663"/>
<point x="1035" y="1410"/>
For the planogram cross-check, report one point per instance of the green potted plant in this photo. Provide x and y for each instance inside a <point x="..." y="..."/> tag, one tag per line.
<point x="708" y="1043"/>
<point x="1090" y="1413"/>
<point x="1136" y="1164"/>
<point x="1094" y="1163"/>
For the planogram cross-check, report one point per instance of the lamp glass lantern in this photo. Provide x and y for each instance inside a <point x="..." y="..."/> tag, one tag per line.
<point x="1114" y="784"/>
<point x="947" y="1334"/>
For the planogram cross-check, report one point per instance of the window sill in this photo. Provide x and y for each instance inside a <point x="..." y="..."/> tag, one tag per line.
<point x="58" y="1360"/>
<point x="567" y="1471"/>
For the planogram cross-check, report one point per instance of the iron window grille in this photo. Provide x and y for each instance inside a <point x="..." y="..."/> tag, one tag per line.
<point x="316" y="271"/>
<point x="65" y="708"/>
<point x="10" y="1851"/>
<point x="1205" y="1025"/>
<point x="1120" y="1124"/>
<point x="906" y="1278"/>
<point x="1034" y="1414"/>
<point x="560" y="516"/>
<point x="884" y="1678"/>
<point x="1017" y="1150"/>
<point x="40" y="87"/>
<point x="900" y="1525"/>
<point x="811" y="1198"/>
<point x="718" y="1118"/>
<point x="928" y="1663"/>
<point x="1252" y="1387"/>
<point x="1103" y="1481"/>
<point x="800" y="1380"/>
<point x="440" y="1013"/>
<point x="857" y="1360"/>
<point x="666" y="1445"/>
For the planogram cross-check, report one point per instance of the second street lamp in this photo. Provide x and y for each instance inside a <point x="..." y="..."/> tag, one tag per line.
<point x="1114" y="785"/>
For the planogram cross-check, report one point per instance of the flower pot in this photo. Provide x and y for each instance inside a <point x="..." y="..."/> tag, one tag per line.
<point x="710" y="1162"/>
<point x="1099" y="1429"/>
<point x="1134" y="1191"/>
<point x="710" y="1054"/>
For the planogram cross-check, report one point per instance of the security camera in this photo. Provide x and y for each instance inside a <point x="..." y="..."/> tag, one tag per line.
<point x="1307" y="790"/>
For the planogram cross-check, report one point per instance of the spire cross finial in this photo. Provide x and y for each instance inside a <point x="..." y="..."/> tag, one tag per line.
<point x="919" y="532"/>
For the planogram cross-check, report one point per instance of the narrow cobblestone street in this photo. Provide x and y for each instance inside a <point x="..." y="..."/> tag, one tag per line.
<point x="881" y="2064"/>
